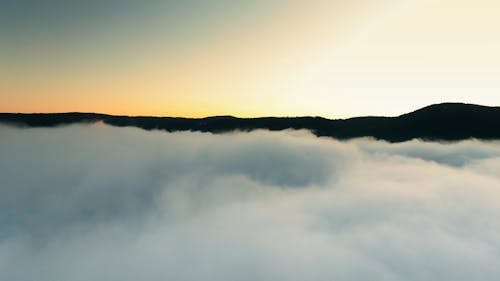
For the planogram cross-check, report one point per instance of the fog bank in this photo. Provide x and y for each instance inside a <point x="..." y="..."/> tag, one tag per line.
<point x="105" y="203"/>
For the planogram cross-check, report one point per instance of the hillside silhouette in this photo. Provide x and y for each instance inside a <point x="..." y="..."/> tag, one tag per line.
<point x="446" y="121"/>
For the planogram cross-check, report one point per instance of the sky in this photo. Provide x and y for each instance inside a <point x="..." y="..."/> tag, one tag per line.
<point x="335" y="59"/>
<point x="120" y="204"/>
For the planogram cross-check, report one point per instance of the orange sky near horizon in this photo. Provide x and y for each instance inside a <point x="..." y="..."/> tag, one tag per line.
<point x="334" y="59"/>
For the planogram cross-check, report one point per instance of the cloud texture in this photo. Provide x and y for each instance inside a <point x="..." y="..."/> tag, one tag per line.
<point x="102" y="203"/>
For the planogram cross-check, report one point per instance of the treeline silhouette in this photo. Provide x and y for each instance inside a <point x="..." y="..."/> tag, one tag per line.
<point x="446" y="121"/>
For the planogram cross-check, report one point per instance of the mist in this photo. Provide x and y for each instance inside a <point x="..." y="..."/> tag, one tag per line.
<point x="103" y="203"/>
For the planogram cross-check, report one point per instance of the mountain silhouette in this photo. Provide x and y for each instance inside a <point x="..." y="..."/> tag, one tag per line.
<point x="446" y="121"/>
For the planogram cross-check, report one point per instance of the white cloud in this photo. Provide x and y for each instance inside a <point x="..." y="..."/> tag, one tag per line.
<point x="102" y="203"/>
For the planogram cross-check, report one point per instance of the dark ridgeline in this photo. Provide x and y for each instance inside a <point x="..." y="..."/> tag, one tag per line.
<point x="447" y="121"/>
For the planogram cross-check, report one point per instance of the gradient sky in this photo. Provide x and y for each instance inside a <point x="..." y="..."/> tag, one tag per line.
<point x="336" y="59"/>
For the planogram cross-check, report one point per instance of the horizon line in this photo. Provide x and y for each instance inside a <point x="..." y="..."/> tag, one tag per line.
<point x="257" y="117"/>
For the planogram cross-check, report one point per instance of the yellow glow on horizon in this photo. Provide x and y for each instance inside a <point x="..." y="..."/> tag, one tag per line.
<point x="328" y="58"/>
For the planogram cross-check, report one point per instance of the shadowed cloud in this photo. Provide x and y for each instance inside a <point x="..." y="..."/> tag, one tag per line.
<point x="93" y="202"/>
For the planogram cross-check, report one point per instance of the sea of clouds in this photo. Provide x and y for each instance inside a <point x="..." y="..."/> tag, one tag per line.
<point x="94" y="202"/>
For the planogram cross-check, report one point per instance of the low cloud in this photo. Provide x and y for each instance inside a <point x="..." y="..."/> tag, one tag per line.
<point x="103" y="203"/>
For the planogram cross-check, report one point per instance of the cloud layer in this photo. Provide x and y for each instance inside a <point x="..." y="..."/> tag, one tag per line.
<point x="102" y="203"/>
